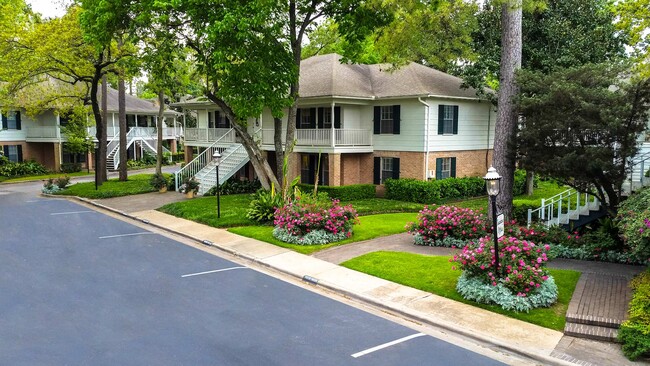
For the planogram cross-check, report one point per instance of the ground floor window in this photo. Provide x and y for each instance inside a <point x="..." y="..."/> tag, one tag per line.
<point x="445" y="168"/>
<point x="386" y="168"/>
<point x="13" y="152"/>
<point x="309" y="166"/>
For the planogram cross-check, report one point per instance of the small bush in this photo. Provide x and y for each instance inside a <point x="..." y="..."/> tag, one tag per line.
<point x="235" y="186"/>
<point x="10" y="169"/>
<point x="634" y="333"/>
<point x="447" y="221"/>
<point x="70" y="167"/>
<point x="344" y="193"/>
<point x="62" y="182"/>
<point x="158" y="181"/>
<point x="436" y="191"/>
<point x="263" y="205"/>
<point x="189" y="185"/>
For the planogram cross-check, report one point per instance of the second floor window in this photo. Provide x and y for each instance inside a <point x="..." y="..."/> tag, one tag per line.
<point x="387" y="120"/>
<point x="447" y="119"/>
<point x="11" y="120"/>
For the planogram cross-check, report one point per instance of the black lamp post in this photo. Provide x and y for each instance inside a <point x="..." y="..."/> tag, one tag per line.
<point x="217" y="160"/>
<point x="493" y="185"/>
<point x="96" y="145"/>
<point x="87" y="151"/>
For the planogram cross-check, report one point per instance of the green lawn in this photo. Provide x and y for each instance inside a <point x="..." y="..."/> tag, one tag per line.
<point x="434" y="275"/>
<point x="204" y="210"/>
<point x="546" y="189"/>
<point x="136" y="184"/>
<point x="371" y="206"/>
<point x="369" y="227"/>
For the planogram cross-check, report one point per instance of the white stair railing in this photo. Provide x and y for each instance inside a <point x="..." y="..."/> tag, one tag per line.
<point x="233" y="159"/>
<point x="637" y="172"/>
<point x="563" y="207"/>
<point x="203" y="159"/>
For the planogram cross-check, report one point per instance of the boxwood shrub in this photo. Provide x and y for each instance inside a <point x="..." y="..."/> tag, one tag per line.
<point x="436" y="191"/>
<point x="635" y="332"/>
<point x="344" y="193"/>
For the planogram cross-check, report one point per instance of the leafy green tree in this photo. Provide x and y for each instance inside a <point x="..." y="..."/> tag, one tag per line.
<point x="634" y="19"/>
<point x="580" y="125"/>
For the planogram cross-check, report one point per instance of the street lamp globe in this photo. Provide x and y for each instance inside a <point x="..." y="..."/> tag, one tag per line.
<point x="216" y="157"/>
<point x="493" y="182"/>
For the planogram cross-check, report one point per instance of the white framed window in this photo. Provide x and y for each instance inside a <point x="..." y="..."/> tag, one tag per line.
<point x="445" y="168"/>
<point x="327" y="118"/>
<point x="386" y="119"/>
<point x="387" y="167"/>
<point x="305" y="117"/>
<point x="12" y="153"/>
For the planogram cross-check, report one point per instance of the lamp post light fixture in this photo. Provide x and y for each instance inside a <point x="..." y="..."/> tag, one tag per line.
<point x="216" y="157"/>
<point x="493" y="186"/>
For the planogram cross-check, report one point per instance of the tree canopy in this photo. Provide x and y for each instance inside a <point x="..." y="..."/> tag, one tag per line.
<point x="580" y="125"/>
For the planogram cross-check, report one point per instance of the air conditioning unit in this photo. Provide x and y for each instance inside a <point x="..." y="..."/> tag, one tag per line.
<point x="432" y="174"/>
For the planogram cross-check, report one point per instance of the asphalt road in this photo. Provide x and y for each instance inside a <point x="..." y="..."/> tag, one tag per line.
<point x="78" y="287"/>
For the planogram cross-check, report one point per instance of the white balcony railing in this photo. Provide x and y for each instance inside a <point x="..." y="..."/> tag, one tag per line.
<point x="43" y="132"/>
<point x="225" y="135"/>
<point x="323" y="137"/>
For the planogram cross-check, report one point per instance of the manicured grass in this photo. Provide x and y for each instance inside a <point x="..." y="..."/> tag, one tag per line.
<point x="204" y="210"/>
<point x="434" y="275"/>
<point x="371" y="206"/>
<point x="136" y="184"/>
<point x="43" y="177"/>
<point x="369" y="227"/>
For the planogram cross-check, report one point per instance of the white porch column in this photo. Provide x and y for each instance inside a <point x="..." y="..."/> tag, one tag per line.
<point x="333" y="129"/>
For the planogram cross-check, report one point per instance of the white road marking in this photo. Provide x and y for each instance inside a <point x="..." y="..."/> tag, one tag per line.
<point x="385" y="345"/>
<point x="32" y="201"/>
<point x="216" y="270"/>
<point x="70" y="213"/>
<point x="121" y="235"/>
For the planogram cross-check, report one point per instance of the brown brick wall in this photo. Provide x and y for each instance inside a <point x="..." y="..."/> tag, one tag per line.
<point x="356" y="169"/>
<point x="469" y="163"/>
<point x="44" y="153"/>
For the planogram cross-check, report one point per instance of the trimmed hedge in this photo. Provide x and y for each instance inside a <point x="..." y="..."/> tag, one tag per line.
<point x="439" y="191"/>
<point x="344" y="193"/>
<point x="435" y="191"/>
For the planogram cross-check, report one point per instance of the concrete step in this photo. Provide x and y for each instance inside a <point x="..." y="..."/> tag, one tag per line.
<point x="593" y="320"/>
<point x="594" y="332"/>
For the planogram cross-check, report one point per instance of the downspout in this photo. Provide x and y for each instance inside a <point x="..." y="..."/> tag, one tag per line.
<point x="487" y="150"/>
<point x="426" y="139"/>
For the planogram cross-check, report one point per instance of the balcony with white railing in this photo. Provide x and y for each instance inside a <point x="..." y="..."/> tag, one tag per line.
<point x="209" y="135"/>
<point x="43" y="133"/>
<point x="340" y="137"/>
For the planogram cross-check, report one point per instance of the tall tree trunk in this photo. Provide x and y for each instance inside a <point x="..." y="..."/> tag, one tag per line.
<point x="121" y="99"/>
<point x="101" y="135"/>
<point x="530" y="182"/>
<point x="279" y="148"/>
<point x="505" y="128"/>
<point x="159" y="127"/>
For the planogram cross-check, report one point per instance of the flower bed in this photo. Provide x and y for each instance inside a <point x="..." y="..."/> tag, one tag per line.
<point x="307" y="223"/>
<point x="521" y="284"/>
<point x="447" y="226"/>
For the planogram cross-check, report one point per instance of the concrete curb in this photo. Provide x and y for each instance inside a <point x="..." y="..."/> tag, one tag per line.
<point x="412" y="315"/>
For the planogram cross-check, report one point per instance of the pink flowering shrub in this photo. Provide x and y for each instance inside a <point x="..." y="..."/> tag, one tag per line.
<point x="521" y="264"/>
<point x="300" y="218"/>
<point x="448" y="221"/>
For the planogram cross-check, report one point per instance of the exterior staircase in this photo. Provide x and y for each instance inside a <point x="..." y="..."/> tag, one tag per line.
<point x="570" y="209"/>
<point x="204" y="169"/>
<point x="143" y="137"/>
<point x="637" y="179"/>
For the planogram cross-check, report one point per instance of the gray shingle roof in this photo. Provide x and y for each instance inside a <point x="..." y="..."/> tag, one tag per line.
<point x="134" y="105"/>
<point x="322" y="76"/>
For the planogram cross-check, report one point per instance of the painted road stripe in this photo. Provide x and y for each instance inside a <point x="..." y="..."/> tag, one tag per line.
<point x="386" y="345"/>
<point x="121" y="235"/>
<point x="70" y="213"/>
<point x="215" y="271"/>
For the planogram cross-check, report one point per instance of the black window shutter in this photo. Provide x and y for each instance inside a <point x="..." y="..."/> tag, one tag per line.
<point x="320" y="117"/>
<point x="5" y="149"/>
<point x="337" y="117"/>
<point x="377" y="171"/>
<point x="438" y="168"/>
<point x="312" y="122"/>
<point x="20" y="153"/>
<point x="453" y="168"/>
<point x="455" y="120"/>
<point x="298" y="118"/>
<point x="441" y="116"/>
<point x="395" y="168"/>
<point x="4" y="122"/>
<point x="18" y="121"/>
<point x="377" y="129"/>
<point x="396" y="119"/>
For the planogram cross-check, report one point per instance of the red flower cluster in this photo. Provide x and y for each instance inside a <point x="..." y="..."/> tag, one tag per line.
<point x="300" y="218"/>
<point x="444" y="221"/>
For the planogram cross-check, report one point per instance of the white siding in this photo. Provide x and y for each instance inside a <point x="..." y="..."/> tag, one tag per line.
<point x="473" y="121"/>
<point x="46" y="119"/>
<point x="411" y="136"/>
<point x="202" y="118"/>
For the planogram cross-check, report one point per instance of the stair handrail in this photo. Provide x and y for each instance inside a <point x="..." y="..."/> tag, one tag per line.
<point x="225" y="158"/>
<point x="638" y="160"/>
<point x="551" y="209"/>
<point x="224" y="173"/>
<point x="116" y="157"/>
<point x="199" y="162"/>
